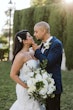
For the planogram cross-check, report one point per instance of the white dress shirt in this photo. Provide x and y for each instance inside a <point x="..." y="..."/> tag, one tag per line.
<point x="47" y="41"/>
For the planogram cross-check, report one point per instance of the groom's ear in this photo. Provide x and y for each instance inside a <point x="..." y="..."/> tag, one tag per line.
<point x="44" y="30"/>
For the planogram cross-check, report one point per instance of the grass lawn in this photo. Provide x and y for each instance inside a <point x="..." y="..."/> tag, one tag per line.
<point x="7" y="88"/>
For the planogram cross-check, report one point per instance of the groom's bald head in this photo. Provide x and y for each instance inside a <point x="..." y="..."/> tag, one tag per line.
<point x="43" y="25"/>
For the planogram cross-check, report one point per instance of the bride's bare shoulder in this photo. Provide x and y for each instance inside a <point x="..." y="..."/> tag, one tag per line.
<point x="19" y="57"/>
<point x="22" y="56"/>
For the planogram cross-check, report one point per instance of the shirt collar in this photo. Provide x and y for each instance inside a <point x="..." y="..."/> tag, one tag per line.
<point x="48" y="40"/>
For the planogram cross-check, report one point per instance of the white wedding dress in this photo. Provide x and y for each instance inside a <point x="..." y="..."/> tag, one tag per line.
<point x="24" y="102"/>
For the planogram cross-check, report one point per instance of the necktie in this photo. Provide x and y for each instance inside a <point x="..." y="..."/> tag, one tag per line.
<point x="42" y="45"/>
<point x="42" y="48"/>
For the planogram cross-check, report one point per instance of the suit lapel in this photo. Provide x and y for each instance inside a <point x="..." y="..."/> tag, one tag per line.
<point x="51" y="41"/>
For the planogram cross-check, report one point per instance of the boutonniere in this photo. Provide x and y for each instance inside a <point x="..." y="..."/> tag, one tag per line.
<point x="47" y="45"/>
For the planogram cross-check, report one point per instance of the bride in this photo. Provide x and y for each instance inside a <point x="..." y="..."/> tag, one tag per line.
<point x="23" y="61"/>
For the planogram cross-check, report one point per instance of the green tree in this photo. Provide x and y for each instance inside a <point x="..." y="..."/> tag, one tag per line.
<point x="3" y="39"/>
<point x="17" y="21"/>
<point x="69" y="42"/>
<point x="43" y="2"/>
<point x="56" y="20"/>
<point x="52" y="1"/>
<point x="37" y="2"/>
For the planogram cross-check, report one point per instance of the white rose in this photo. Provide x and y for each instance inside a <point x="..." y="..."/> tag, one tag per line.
<point x="43" y="91"/>
<point x="31" y="74"/>
<point x="38" y="71"/>
<point x="44" y="96"/>
<point x="51" y="80"/>
<point x="31" y="82"/>
<point x="45" y="83"/>
<point x="51" y="89"/>
<point x="31" y="89"/>
<point x="45" y="76"/>
<point x="38" y="77"/>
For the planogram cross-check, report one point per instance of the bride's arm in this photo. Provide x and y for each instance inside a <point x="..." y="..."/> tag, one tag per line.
<point x="16" y="66"/>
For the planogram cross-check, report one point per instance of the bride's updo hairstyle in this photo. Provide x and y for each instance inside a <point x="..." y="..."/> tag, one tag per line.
<point x="18" y="41"/>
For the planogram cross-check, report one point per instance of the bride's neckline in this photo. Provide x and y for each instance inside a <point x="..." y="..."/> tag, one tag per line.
<point x="25" y="50"/>
<point x="30" y="60"/>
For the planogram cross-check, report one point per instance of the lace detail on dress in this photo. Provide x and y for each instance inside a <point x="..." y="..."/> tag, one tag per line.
<point x="27" y="68"/>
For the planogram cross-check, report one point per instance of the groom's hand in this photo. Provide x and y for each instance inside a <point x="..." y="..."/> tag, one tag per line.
<point x="34" y="46"/>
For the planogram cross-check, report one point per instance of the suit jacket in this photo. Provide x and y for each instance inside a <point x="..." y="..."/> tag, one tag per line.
<point x="54" y="58"/>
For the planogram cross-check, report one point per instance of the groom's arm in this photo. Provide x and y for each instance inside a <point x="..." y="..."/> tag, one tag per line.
<point x="55" y="54"/>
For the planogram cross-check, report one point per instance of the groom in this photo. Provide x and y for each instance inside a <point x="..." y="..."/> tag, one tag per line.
<point x="50" y="50"/>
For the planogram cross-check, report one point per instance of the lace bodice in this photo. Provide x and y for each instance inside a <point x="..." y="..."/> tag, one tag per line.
<point x="26" y="70"/>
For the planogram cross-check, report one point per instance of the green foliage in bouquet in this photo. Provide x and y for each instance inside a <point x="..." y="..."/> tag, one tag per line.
<point x="43" y="64"/>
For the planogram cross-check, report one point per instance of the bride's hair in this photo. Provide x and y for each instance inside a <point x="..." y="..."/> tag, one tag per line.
<point x="18" y="43"/>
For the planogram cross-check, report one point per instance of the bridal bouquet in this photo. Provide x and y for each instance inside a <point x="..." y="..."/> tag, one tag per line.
<point x="40" y="85"/>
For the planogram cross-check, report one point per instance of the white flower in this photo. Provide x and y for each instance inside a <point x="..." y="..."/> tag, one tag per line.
<point x="38" y="77"/>
<point x="45" y="76"/>
<point x="45" y="96"/>
<point x="45" y="83"/>
<point x="31" y="82"/>
<point x="43" y="91"/>
<point x="51" y="80"/>
<point x="31" y="89"/>
<point x="47" y="45"/>
<point x="40" y="85"/>
<point x="50" y="90"/>
<point x="31" y="74"/>
<point x="38" y="71"/>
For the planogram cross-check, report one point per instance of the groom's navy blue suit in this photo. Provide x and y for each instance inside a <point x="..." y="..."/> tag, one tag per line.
<point x="54" y="58"/>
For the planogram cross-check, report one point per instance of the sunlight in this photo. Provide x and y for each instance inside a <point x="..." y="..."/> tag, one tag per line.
<point x="68" y="1"/>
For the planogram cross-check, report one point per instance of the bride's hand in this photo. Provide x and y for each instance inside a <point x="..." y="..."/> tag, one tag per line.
<point x="26" y="86"/>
